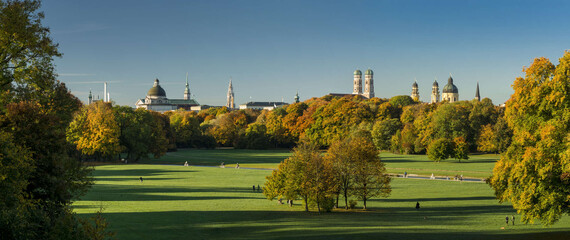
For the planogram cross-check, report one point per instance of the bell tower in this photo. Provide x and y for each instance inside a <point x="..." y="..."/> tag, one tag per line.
<point x="357" y="82"/>
<point x="368" y="84"/>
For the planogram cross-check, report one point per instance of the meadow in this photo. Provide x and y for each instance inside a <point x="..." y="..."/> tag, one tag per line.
<point x="209" y="202"/>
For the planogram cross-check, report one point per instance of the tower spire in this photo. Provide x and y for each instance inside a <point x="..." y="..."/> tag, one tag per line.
<point x="477" y="96"/>
<point x="187" y="89"/>
<point x="230" y="102"/>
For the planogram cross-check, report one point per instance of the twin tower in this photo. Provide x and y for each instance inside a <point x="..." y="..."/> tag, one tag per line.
<point x="368" y="83"/>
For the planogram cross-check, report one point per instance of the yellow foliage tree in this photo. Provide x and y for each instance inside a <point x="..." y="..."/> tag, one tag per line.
<point x="534" y="172"/>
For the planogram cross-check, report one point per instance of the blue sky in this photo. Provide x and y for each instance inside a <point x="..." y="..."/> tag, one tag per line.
<point x="272" y="49"/>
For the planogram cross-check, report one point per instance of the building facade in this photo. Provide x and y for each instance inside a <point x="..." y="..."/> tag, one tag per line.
<point x="368" y="83"/>
<point x="450" y="91"/>
<point x="262" y="105"/>
<point x="156" y="100"/>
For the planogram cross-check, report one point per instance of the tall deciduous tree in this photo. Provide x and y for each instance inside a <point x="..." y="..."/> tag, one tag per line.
<point x="35" y="109"/>
<point x="534" y="173"/>
<point x="95" y="131"/>
<point x="370" y="178"/>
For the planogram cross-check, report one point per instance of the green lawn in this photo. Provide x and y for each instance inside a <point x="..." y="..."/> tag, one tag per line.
<point x="176" y="202"/>
<point x="478" y="166"/>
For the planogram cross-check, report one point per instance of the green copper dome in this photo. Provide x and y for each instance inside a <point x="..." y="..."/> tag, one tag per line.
<point x="156" y="90"/>
<point x="450" y="87"/>
<point x="357" y="72"/>
<point x="369" y="72"/>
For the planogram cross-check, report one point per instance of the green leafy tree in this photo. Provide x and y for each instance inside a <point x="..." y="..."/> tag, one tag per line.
<point x="35" y="109"/>
<point x="383" y="131"/>
<point x="534" y="173"/>
<point x="440" y="149"/>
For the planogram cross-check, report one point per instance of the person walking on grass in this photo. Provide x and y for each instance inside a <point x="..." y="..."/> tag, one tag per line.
<point x="258" y="188"/>
<point x="507" y="220"/>
<point x="237" y="165"/>
<point x="417" y="205"/>
<point x="513" y="219"/>
<point x="141" y="179"/>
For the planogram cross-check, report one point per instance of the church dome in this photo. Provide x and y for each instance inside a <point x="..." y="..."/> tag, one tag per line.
<point x="156" y="90"/>
<point x="450" y="87"/>
<point x="369" y="72"/>
<point x="357" y="72"/>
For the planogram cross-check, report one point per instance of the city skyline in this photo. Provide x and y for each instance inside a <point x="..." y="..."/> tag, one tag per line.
<point x="271" y="49"/>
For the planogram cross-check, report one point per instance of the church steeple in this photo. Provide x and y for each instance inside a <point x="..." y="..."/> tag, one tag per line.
<point x="435" y="92"/>
<point x="230" y="102"/>
<point x="368" y="84"/>
<point x="90" y="98"/>
<point x="297" y="97"/>
<point x="415" y="92"/>
<point x="477" y="96"/>
<point x="187" y="89"/>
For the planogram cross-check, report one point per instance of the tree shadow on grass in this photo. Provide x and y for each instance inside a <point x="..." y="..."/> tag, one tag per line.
<point x="302" y="225"/>
<point x="136" y="172"/>
<point x="432" y="199"/>
<point x="107" y="192"/>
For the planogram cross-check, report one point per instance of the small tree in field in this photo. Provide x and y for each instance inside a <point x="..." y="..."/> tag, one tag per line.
<point x="439" y="150"/>
<point x="460" y="149"/>
<point x="369" y="177"/>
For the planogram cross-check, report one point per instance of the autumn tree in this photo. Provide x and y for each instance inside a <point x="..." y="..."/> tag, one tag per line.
<point x="486" y="140"/>
<point x="460" y="149"/>
<point x="343" y="168"/>
<point x="370" y="178"/>
<point x="95" y="131"/>
<point x="534" y="173"/>
<point x="39" y="177"/>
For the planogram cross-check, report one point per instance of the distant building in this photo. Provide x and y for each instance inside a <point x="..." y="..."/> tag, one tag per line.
<point x="203" y="107"/>
<point x="262" y="105"/>
<point x="434" y="92"/>
<point x="415" y="92"/>
<point x="156" y="99"/>
<point x="450" y="91"/>
<point x="297" y="97"/>
<point x="357" y="85"/>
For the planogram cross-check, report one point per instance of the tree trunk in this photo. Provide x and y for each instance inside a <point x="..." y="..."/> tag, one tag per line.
<point x="306" y="205"/>
<point x="345" y="199"/>
<point x="318" y="204"/>
<point x="337" y="200"/>
<point x="364" y="202"/>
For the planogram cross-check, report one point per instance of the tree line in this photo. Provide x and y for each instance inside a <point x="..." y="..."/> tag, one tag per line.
<point x="399" y="124"/>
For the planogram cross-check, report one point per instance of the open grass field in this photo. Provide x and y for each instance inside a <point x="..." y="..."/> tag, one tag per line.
<point x="176" y="202"/>
<point x="478" y="166"/>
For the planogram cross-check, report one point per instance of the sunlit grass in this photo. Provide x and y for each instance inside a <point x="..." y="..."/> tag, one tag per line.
<point x="176" y="202"/>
